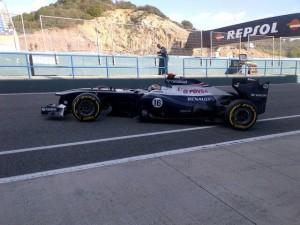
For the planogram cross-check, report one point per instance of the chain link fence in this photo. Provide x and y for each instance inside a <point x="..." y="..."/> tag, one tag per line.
<point x="261" y="46"/>
<point x="289" y="47"/>
<point x="221" y="45"/>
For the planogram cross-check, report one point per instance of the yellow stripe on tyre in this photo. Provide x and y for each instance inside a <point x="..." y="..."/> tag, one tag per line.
<point x="84" y="97"/>
<point x="243" y="127"/>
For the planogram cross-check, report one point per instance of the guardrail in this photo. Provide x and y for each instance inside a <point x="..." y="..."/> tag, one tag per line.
<point x="263" y="66"/>
<point x="34" y="61"/>
<point x="74" y="65"/>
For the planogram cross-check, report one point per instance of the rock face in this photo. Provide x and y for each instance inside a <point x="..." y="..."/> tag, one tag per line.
<point x="123" y="31"/>
<point x="120" y="31"/>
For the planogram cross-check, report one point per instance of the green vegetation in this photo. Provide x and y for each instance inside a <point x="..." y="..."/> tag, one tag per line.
<point x="125" y="5"/>
<point x="187" y="25"/>
<point x="291" y="48"/>
<point x="83" y="9"/>
<point x="294" y="53"/>
<point x="153" y="10"/>
<point x="95" y="11"/>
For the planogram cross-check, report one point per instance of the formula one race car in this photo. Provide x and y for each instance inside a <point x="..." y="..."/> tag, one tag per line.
<point x="178" y="98"/>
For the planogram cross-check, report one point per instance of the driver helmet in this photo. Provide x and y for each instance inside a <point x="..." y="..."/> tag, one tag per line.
<point x="154" y="87"/>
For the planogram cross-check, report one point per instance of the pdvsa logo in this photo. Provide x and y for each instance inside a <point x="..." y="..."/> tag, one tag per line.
<point x="183" y="90"/>
<point x="198" y="91"/>
<point x="294" y="25"/>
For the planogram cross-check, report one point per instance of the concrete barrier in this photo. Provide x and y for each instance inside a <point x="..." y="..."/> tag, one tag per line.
<point x="30" y="86"/>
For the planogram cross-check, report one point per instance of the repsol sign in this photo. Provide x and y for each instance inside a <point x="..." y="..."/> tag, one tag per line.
<point x="264" y="29"/>
<point x="280" y="26"/>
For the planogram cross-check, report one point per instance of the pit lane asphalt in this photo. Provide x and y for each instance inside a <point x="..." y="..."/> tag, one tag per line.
<point x="21" y="126"/>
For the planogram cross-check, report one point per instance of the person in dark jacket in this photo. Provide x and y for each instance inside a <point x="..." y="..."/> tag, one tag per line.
<point x="163" y="60"/>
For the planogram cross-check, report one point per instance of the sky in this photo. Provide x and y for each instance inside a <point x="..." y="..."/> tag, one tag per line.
<point x="207" y="14"/>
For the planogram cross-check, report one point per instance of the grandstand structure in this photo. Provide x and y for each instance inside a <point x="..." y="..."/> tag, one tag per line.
<point x="8" y="36"/>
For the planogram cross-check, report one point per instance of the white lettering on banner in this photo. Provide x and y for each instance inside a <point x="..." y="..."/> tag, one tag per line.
<point x="274" y="29"/>
<point x="239" y="33"/>
<point x="263" y="29"/>
<point x="230" y="35"/>
<point x="255" y="30"/>
<point x="247" y="31"/>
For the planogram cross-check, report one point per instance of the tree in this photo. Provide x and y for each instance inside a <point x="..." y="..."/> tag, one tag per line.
<point x="95" y="11"/>
<point x="187" y="25"/>
<point x="125" y="5"/>
<point x="83" y="9"/>
<point x="152" y="9"/>
<point x="294" y="52"/>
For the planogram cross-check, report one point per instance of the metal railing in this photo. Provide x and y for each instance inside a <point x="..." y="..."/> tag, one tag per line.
<point x="264" y="67"/>
<point x="33" y="61"/>
<point x="77" y="65"/>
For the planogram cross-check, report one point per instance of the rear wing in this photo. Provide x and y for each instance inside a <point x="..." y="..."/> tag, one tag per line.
<point x="252" y="90"/>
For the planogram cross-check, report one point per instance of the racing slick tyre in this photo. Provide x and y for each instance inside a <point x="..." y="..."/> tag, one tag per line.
<point x="241" y="114"/>
<point x="86" y="107"/>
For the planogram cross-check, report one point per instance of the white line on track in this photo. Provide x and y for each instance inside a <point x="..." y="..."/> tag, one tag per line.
<point x="102" y="140"/>
<point x="39" y="148"/>
<point x="280" y="118"/>
<point x="144" y="157"/>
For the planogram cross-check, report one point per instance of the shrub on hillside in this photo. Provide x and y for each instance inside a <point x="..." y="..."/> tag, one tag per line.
<point x="95" y="11"/>
<point x="152" y="9"/>
<point x="187" y="25"/>
<point x="125" y="5"/>
<point x="294" y="52"/>
<point x="83" y="9"/>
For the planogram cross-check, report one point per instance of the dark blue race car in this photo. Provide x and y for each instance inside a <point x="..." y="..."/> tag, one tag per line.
<point x="179" y="98"/>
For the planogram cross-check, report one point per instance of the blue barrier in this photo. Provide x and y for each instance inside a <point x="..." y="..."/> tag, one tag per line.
<point x="188" y="66"/>
<point x="71" y="64"/>
<point x="264" y="66"/>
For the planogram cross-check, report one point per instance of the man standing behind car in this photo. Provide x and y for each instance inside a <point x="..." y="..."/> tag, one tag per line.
<point x="163" y="60"/>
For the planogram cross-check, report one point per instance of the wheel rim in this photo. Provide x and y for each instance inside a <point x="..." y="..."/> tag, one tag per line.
<point x="86" y="108"/>
<point x="243" y="116"/>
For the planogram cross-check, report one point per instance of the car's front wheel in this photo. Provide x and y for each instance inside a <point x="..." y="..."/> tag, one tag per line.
<point x="241" y="115"/>
<point x="86" y="107"/>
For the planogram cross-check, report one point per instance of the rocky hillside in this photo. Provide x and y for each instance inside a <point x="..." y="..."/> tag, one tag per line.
<point x="117" y="31"/>
<point x="106" y="26"/>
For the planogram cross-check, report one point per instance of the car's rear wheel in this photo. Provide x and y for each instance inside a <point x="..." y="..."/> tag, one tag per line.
<point x="241" y="115"/>
<point x="86" y="107"/>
